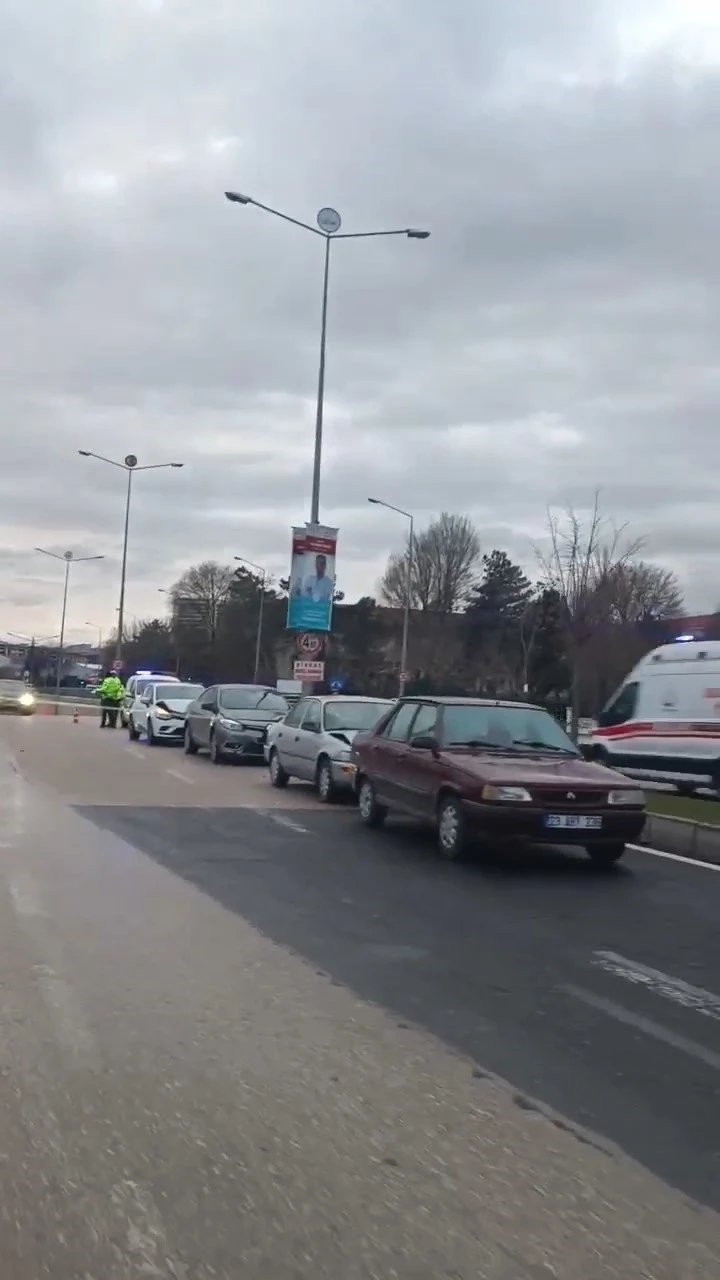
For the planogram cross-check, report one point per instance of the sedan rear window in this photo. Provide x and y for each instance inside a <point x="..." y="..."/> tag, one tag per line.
<point x="253" y="700"/>
<point x="503" y="727"/>
<point x="340" y="716"/>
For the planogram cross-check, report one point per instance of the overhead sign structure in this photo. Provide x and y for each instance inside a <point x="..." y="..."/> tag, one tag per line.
<point x="312" y="578"/>
<point x="305" y="669"/>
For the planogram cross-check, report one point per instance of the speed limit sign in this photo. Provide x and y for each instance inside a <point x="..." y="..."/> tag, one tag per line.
<point x="310" y="644"/>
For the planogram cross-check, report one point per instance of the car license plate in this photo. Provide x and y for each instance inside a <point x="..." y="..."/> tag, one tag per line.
<point x="573" y="822"/>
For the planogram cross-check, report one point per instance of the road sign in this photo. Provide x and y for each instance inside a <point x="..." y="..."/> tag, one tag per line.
<point x="310" y="644"/>
<point x="337" y="684"/>
<point x="304" y="669"/>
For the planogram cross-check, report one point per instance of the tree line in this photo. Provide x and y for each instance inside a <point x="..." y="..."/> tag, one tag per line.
<point x="480" y="623"/>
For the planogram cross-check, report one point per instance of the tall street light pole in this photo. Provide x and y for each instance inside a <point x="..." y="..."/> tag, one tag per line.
<point x="261" y="608"/>
<point x="68" y="558"/>
<point x="378" y="502"/>
<point x="129" y="465"/>
<point x="328" y="227"/>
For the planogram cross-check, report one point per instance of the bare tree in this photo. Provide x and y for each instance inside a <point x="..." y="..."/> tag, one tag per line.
<point x="585" y="560"/>
<point x="444" y="567"/>
<point x="642" y="592"/>
<point x="200" y="594"/>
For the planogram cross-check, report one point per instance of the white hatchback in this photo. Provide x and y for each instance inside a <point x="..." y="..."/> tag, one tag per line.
<point x="159" y="712"/>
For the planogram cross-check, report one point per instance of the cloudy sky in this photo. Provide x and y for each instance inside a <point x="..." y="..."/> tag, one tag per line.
<point x="558" y="332"/>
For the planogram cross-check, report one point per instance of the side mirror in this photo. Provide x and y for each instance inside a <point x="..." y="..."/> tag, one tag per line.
<point x="425" y="742"/>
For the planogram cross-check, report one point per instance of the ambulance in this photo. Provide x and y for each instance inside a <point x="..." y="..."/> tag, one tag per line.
<point x="663" y="723"/>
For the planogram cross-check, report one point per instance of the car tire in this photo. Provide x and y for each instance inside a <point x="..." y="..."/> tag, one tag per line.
<point x="133" y="733"/>
<point x="150" y="734"/>
<point x="324" y="781"/>
<point x="190" y="746"/>
<point x="278" y="777"/>
<point x="606" y="855"/>
<point x="451" y="829"/>
<point x="372" y="813"/>
<point x="216" y="754"/>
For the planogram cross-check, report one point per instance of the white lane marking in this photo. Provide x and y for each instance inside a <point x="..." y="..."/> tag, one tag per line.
<point x="175" y="773"/>
<point x="645" y="1025"/>
<point x="282" y="821"/>
<point x="675" y="857"/>
<point x="662" y="984"/>
<point x="70" y="1028"/>
<point x="25" y="897"/>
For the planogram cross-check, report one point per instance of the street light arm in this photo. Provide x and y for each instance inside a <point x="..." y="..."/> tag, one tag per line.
<point x="410" y="232"/>
<point x="157" y="466"/>
<point x="253" y="565"/>
<point x="378" y="502"/>
<point x="54" y="554"/>
<point x="80" y="559"/>
<point x="235" y="198"/>
<point x="87" y="453"/>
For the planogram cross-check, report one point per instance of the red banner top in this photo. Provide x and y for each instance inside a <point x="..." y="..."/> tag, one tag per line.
<point x="305" y="542"/>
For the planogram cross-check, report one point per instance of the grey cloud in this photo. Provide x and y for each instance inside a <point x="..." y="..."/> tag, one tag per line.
<point x="556" y="333"/>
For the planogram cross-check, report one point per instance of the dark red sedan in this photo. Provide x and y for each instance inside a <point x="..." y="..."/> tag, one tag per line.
<point x="503" y="772"/>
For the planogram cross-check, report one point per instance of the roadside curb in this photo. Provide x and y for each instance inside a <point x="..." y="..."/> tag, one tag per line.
<point x="699" y="840"/>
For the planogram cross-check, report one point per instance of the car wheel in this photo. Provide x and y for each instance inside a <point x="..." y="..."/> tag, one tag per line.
<point x="189" y="743"/>
<point x="150" y="734"/>
<point x="324" y="781"/>
<point x="372" y="813"/>
<point x="133" y="733"/>
<point x="216" y="754"/>
<point x="606" y="855"/>
<point x="451" y="829"/>
<point x="278" y="777"/>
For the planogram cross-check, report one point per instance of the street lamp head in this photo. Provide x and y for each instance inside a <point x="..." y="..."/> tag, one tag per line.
<point x="412" y="233"/>
<point x="236" y="198"/>
<point x="85" y="453"/>
<point x="376" y="502"/>
<point x="67" y="555"/>
<point x="177" y="465"/>
<point x="130" y="461"/>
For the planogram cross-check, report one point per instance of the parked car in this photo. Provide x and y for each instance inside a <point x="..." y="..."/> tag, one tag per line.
<point x="17" y="698"/>
<point x="230" y="721"/>
<point x="136" y="686"/>
<point x="159" y="712"/>
<point x="505" y="772"/>
<point x="313" y="742"/>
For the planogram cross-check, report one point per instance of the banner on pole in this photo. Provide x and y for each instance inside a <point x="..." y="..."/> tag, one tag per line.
<point x="312" y="578"/>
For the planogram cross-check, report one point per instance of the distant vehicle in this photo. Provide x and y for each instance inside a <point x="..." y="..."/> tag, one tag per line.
<point x="159" y="711"/>
<point x="230" y="721"/>
<point x="313" y="742"/>
<point x="663" y="723"/>
<point x="505" y="772"/>
<point x="136" y="685"/>
<point x="16" y="698"/>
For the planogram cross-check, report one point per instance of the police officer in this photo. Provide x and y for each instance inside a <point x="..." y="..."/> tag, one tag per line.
<point x="111" y="695"/>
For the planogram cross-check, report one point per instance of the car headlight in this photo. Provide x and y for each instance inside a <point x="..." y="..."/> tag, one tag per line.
<point x="514" y="795"/>
<point x="26" y="699"/>
<point x="229" y="724"/>
<point x="631" y="798"/>
<point x="162" y="714"/>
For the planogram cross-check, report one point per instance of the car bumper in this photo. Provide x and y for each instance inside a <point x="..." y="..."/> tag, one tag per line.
<point x="527" y="825"/>
<point x="15" y="709"/>
<point x="169" y="730"/>
<point x="343" y="773"/>
<point x="243" y="745"/>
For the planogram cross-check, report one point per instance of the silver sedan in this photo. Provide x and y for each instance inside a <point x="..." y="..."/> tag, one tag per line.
<point x="313" y="741"/>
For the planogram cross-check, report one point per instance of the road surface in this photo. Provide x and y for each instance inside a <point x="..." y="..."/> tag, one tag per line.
<point x="241" y="1037"/>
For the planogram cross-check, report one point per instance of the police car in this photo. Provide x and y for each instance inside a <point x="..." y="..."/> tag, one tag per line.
<point x="136" y="686"/>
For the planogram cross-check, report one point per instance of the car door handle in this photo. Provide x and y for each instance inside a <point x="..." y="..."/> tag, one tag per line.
<point x="297" y="737"/>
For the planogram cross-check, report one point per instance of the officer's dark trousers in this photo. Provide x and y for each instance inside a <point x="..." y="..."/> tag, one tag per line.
<point x="108" y="713"/>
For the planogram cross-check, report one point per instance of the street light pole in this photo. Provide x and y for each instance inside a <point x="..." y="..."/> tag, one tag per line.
<point x="377" y="502"/>
<point x="328" y="226"/>
<point x="68" y="558"/>
<point x="261" y="610"/>
<point x="130" y="465"/>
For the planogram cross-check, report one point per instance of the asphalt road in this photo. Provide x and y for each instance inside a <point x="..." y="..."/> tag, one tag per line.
<point x="240" y="1036"/>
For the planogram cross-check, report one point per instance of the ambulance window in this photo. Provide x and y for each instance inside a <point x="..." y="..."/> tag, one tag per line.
<point x="620" y="708"/>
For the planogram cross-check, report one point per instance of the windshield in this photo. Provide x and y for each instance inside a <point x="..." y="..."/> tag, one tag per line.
<point x="179" y="692"/>
<point x="340" y="716"/>
<point x="253" y="700"/>
<point x="503" y="727"/>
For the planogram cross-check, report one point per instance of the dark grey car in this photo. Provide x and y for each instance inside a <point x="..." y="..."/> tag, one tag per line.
<point x="230" y="720"/>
